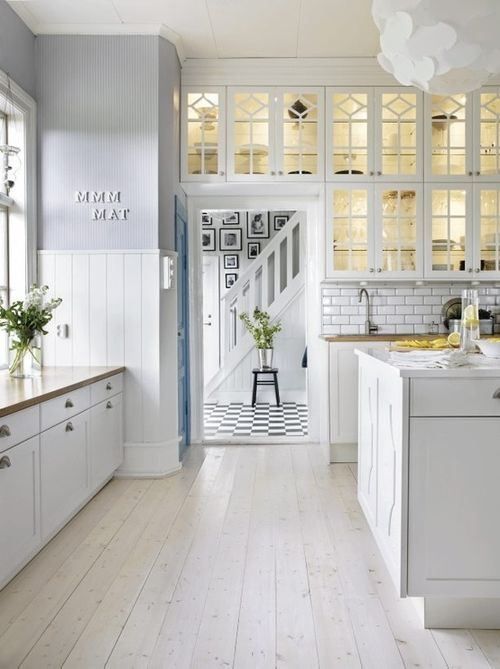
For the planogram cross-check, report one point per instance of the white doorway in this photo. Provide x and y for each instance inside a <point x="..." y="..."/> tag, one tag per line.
<point x="211" y="317"/>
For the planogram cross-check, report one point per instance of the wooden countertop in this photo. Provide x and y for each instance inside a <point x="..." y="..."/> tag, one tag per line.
<point x="379" y="337"/>
<point x="18" y="394"/>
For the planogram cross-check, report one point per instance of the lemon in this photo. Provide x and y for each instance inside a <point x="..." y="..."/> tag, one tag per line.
<point x="470" y="317"/>
<point x="454" y="339"/>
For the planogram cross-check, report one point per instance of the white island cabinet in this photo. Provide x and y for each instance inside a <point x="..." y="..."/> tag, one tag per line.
<point x="429" y="461"/>
<point x="61" y="439"/>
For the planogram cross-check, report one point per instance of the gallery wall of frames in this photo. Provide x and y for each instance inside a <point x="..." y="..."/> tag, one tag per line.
<point x="237" y="238"/>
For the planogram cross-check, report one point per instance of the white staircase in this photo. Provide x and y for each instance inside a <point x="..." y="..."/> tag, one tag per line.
<point x="272" y="282"/>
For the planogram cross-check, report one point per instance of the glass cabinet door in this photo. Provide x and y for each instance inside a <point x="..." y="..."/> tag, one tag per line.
<point x="349" y="134"/>
<point x="399" y="230"/>
<point x="398" y="128"/>
<point x="298" y="135"/>
<point x="203" y="135"/>
<point x="447" y="136"/>
<point x="251" y="130"/>
<point x="350" y="238"/>
<point x="487" y="230"/>
<point x="487" y="133"/>
<point x="449" y="238"/>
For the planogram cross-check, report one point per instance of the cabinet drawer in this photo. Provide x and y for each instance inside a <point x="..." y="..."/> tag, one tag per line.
<point x="457" y="397"/>
<point x="19" y="426"/>
<point x="63" y="407"/>
<point x="101" y="390"/>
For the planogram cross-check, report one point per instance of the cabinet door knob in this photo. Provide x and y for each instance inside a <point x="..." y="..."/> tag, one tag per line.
<point x="221" y="174"/>
<point x="4" y="431"/>
<point x="496" y="394"/>
<point x="109" y="405"/>
<point x="372" y="173"/>
<point x="5" y="462"/>
<point x="69" y="427"/>
<point x="470" y="270"/>
<point x="478" y="173"/>
<point x="280" y="173"/>
<point x="478" y="269"/>
<point x="69" y="404"/>
<point x="379" y="269"/>
<point x="371" y="269"/>
<point x="109" y="385"/>
<point x="470" y="174"/>
<point x="273" y="173"/>
<point x="379" y="173"/>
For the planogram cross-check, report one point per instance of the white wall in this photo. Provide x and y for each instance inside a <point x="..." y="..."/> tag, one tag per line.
<point x="117" y="315"/>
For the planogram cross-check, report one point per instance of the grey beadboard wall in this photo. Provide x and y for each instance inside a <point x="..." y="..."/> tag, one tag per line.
<point x="100" y="115"/>
<point x="17" y="49"/>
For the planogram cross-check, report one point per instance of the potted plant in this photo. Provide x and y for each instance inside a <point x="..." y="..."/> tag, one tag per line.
<point x="263" y="334"/>
<point x="25" y="321"/>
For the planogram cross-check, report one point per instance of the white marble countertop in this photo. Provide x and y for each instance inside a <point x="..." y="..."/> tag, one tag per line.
<point x="478" y="366"/>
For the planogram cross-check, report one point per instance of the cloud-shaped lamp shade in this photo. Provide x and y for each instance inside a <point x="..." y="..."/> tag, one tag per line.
<point x="439" y="46"/>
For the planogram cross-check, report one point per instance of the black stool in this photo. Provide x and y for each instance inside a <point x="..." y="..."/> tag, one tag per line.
<point x="258" y="382"/>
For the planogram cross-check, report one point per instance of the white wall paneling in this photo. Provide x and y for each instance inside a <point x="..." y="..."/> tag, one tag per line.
<point x="113" y="306"/>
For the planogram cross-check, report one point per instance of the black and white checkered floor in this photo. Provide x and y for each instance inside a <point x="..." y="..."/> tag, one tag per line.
<point x="243" y="420"/>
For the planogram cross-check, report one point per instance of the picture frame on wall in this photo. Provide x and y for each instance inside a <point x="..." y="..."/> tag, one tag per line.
<point x="253" y="250"/>
<point x="258" y="225"/>
<point x="231" y="261"/>
<point x="279" y="221"/>
<point x="206" y="219"/>
<point x="230" y="239"/>
<point x="208" y="239"/>
<point x="231" y="279"/>
<point x="231" y="218"/>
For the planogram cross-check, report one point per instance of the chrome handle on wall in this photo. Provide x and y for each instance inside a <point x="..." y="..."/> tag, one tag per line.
<point x="69" y="427"/>
<point x="69" y="404"/>
<point x="4" y="431"/>
<point x="109" y="386"/>
<point x="109" y="405"/>
<point x="5" y="462"/>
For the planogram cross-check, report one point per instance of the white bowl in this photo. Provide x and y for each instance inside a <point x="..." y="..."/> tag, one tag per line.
<point x="491" y="349"/>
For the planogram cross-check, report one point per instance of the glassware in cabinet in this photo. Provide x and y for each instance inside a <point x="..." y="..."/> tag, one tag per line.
<point x="449" y="231"/>
<point x="299" y="137"/>
<point x="399" y="230"/>
<point x="203" y="133"/>
<point x="349" y="134"/>
<point x="251" y="132"/>
<point x="448" y="136"/>
<point x="350" y="232"/>
<point x="399" y="130"/>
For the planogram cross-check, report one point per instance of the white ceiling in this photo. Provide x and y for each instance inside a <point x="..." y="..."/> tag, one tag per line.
<point x="219" y="28"/>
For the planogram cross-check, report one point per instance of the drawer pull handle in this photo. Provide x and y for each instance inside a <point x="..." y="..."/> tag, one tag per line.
<point x="69" y="404"/>
<point x="4" y="431"/>
<point x="109" y="405"/>
<point x="5" y="462"/>
<point x="496" y="394"/>
<point x="109" y="385"/>
<point x="69" y="427"/>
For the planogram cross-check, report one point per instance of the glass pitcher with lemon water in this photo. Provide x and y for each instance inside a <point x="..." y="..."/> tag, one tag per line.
<point x="469" y="327"/>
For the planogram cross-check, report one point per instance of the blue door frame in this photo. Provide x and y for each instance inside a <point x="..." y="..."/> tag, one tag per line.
<point x="181" y="246"/>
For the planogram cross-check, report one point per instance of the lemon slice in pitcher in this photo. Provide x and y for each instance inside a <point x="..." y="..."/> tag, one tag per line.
<point x="454" y="339"/>
<point x="470" y="317"/>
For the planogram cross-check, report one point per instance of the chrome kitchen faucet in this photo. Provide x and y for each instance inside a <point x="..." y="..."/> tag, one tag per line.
<point x="370" y="328"/>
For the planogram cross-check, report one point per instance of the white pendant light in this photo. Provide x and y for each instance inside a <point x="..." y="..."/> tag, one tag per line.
<point x="440" y="46"/>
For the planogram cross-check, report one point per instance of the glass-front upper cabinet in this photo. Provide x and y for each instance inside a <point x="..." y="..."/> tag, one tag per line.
<point x="203" y="134"/>
<point x="398" y="231"/>
<point x="487" y="134"/>
<point x="398" y="134"/>
<point x="486" y="261"/>
<point x="276" y="134"/>
<point x="349" y="134"/>
<point x="448" y="137"/>
<point x="350" y="242"/>
<point x="374" y="132"/>
<point x="299" y="134"/>
<point x="250" y="134"/>
<point x="449" y="231"/>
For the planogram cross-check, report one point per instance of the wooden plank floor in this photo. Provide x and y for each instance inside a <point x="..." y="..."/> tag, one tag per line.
<point x="252" y="557"/>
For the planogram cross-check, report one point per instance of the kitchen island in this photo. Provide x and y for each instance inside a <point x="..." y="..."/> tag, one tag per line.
<point x="428" y="483"/>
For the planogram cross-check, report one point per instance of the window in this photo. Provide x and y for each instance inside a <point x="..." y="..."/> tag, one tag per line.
<point x="17" y="203"/>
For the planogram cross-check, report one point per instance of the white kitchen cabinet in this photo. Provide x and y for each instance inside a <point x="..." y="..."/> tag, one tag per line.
<point x="486" y="159"/>
<point x="203" y="134"/>
<point x="106" y="438"/>
<point x="64" y="471"/>
<point x="375" y="231"/>
<point x="454" y="499"/>
<point x="275" y="134"/>
<point x="343" y="389"/>
<point x="20" y="504"/>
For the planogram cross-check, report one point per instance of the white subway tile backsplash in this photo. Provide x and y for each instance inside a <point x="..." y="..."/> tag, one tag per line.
<point x="401" y="310"/>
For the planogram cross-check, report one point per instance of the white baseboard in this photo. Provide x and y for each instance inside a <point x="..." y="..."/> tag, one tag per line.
<point x="343" y="452"/>
<point x="150" y="460"/>
<point x="461" y="613"/>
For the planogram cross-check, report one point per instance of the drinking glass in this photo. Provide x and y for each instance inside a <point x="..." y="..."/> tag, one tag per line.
<point x="469" y="327"/>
